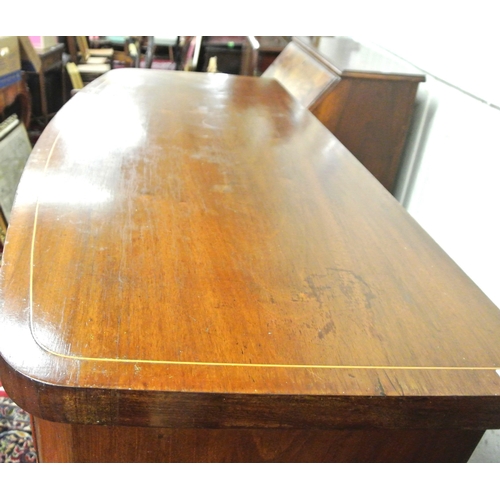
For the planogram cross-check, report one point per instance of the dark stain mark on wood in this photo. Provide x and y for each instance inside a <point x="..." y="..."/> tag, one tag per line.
<point x="328" y="328"/>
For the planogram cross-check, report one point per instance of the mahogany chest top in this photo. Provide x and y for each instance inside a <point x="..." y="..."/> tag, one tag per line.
<point x="196" y="250"/>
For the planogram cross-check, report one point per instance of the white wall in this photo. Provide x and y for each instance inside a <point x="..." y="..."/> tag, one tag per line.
<point x="469" y="62"/>
<point x="454" y="191"/>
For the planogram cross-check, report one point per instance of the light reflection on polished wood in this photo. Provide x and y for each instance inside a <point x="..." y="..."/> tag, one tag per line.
<point x="216" y="259"/>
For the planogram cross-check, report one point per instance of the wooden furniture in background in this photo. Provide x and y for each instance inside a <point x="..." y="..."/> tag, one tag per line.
<point x="17" y="92"/>
<point x="241" y="55"/>
<point x="74" y="76"/>
<point x="363" y="96"/>
<point x="270" y="48"/>
<point x="238" y="55"/>
<point x="126" y="49"/>
<point x="3" y="230"/>
<point x="227" y="49"/>
<point x="37" y="63"/>
<point x="104" y="54"/>
<point x="245" y="291"/>
<point x="155" y="44"/>
<point x="89" y="67"/>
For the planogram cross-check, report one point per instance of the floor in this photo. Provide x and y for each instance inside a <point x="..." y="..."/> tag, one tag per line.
<point x="488" y="450"/>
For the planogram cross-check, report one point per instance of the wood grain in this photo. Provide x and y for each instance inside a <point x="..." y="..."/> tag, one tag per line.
<point x="91" y="443"/>
<point x="302" y="74"/>
<point x="198" y="251"/>
<point x="383" y="109"/>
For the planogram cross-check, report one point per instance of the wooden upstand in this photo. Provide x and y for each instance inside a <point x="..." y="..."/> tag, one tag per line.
<point x="363" y="95"/>
<point x="197" y="270"/>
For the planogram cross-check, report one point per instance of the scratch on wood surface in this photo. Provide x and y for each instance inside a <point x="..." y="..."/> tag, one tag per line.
<point x="380" y="387"/>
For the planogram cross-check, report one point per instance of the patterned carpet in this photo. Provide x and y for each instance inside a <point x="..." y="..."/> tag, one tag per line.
<point x="16" y="442"/>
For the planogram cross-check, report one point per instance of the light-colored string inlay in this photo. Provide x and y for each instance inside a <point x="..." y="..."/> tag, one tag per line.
<point x="202" y="363"/>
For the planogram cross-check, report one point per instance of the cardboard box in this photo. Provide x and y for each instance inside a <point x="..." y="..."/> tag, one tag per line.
<point x="43" y="42"/>
<point x="10" y="60"/>
<point x="29" y="56"/>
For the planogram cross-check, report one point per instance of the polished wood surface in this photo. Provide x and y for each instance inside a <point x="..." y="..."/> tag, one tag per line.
<point x="217" y="259"/>
<point x="363" y="96"/>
